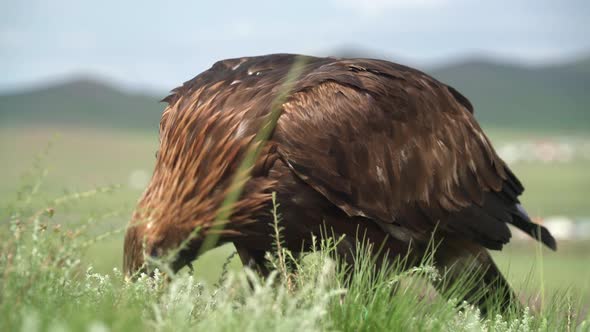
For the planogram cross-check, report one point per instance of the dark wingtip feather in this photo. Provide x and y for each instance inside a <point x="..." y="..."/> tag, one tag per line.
<point x="523" y="221"/>
<point x="547" y="238"/>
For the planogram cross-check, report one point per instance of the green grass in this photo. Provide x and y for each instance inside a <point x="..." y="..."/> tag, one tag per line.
<point x="49" y="284"/>
<point x="41" y="287"/>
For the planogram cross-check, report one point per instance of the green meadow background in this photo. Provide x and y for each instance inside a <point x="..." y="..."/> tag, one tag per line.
<point x="86" y="134"/>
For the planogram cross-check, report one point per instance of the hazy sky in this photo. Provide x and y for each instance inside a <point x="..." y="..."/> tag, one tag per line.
<point x="159" y="44"/>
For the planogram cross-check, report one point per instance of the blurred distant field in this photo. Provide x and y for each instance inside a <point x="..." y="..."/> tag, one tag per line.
<point x="82" y="159"/>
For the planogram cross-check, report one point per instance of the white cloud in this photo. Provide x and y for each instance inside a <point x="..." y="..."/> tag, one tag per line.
<point x="376" y="6"/>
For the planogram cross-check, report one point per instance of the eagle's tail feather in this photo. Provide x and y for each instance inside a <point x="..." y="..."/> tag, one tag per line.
<point x="522" y="220"/>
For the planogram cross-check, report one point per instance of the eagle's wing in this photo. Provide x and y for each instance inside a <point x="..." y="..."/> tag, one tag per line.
<point x="394" y="145"/>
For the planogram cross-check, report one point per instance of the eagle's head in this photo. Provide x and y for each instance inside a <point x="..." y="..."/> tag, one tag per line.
<point x="201" y="148"/>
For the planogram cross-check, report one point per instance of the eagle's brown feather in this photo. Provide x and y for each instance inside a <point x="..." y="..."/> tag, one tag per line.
<point x="362" y="146"/>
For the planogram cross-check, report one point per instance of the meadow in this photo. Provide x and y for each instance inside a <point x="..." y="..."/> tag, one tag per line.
<point x="85" y="182"/>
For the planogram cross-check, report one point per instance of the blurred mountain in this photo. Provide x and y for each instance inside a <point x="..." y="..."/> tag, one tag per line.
<point x="507" y="95"/>
<point x="83" y="102"/>
<point x="504" y="95"/>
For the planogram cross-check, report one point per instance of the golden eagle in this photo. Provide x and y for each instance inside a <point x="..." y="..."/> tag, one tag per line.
<point x="361" y="146"/>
